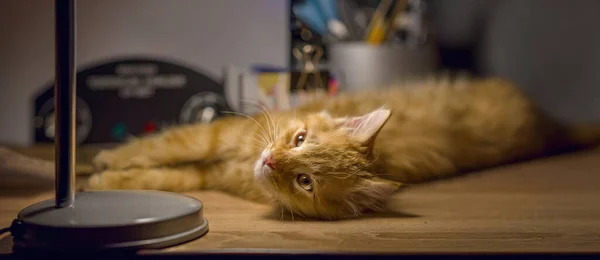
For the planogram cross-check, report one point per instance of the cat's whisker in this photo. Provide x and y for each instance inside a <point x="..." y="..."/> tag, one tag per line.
<point x="269" y="127"/>
<point x="242" y="114"/>
<point x="252" y="138"/>
<point x="262" y="129"/>
<point x="274" y="183"/>
<point x="272" y="124"/>
<point x="277" y="130"/>
<point x="265" y="139"/>
<point x="263" y="142"/>
<point x="257" y="147"/>
<point x="268" y="114"/>
<point x="351" y="207"/>
<point x="292" y="211"/>
<point x="268" y="117"/>
<point x="290" y="208"/>
<point x="318" y="201"/>
<point x="261" y="135"/>
<point x="297" y="212"/>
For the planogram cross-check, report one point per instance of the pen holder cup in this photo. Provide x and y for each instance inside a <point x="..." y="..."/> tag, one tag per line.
<point x="364" y="66"/>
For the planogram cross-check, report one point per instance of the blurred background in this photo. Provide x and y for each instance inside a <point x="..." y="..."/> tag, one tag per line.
<point x="145" y="65"/>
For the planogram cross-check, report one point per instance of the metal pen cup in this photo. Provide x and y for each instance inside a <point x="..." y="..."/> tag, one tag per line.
<point x="364" y="66"/>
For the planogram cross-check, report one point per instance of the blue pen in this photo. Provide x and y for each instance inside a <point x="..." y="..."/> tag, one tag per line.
<point x="309" y="14"/>
<point x="328" y="10"/>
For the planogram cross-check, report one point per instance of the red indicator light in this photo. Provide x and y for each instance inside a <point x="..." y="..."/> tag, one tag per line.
<point x="150" y="127"/>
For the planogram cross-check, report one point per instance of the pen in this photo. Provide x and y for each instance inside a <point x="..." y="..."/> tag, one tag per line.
<point x="348" y="10"/>
<point x="392" y="24"/>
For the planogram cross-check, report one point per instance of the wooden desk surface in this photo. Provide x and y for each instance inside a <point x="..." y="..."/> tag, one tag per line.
<point x="548" y="205"/>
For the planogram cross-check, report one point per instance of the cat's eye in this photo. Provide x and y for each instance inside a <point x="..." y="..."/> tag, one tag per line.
<point x="304" y="181"/>
<point x="299" y="139"/>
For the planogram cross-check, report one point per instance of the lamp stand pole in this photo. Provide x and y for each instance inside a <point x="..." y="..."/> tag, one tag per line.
<point x="96" y="220"/>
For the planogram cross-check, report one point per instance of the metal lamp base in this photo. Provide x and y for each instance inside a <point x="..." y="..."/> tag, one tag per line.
<point x="108" y="220"/>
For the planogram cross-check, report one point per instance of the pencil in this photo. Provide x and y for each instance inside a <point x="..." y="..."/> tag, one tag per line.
<point x="376" y="29"/>
<point x="381" y="25"/>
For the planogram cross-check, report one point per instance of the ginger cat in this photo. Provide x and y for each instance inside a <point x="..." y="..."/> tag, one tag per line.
<point x="340" y="157"/>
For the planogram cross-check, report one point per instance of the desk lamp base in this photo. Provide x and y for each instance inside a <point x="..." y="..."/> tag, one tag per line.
<point x="108" y="220"/>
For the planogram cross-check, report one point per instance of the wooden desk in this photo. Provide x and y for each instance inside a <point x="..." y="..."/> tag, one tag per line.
<point x="549" y="205"/>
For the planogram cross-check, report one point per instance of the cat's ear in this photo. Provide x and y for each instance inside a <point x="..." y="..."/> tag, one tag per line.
<point x="366" y="127"/>
<point x="372" y="193"/>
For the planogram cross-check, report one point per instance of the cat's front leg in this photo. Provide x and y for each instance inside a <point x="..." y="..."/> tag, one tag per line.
<point x="124" y="157"/>
<point x="190" y="143"/>
<point x="175" y="179"/>
<point x="234" y="177"/>
<point x="171" y="147"/>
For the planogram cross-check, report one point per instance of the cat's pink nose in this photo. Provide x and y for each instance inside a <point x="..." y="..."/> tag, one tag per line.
<point x="269" y="161"/>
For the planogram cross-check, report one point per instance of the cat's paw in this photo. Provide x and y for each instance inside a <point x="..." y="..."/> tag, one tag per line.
<point x="133" y="179"/>
<point x="114" y="160"/>
<point x="95" y="182"/>
<point x="110" y="180"/>
<point x="101" y="161"/>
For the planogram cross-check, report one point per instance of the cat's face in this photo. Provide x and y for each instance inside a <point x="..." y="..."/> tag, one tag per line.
<point x="317" y="166"/>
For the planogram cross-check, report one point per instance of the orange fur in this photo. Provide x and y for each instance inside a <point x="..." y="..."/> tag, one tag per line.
<point x="358" y="148"/>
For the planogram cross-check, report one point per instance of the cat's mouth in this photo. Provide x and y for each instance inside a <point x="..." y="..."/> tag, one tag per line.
<point x="263" y="171"/>
<point x="263" y="168"/>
